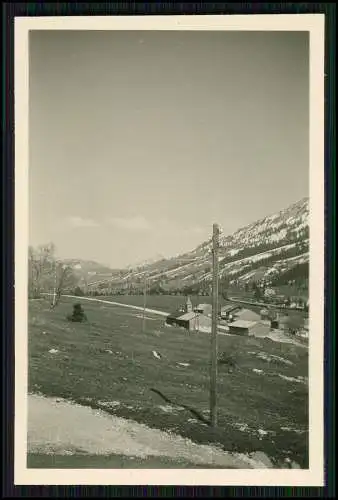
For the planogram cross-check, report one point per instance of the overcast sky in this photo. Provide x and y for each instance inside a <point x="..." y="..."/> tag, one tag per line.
<point x="139" y="141"/>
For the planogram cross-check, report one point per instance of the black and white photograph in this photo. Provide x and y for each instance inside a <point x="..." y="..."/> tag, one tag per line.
<point x="170" y="251"/>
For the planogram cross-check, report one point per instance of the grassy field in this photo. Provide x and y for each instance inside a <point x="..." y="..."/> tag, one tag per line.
<point x="170" y="303"/>
<point x="108" y="364"/>
<point x="167" y="303"/>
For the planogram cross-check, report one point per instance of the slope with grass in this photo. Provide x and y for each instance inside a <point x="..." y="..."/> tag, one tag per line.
<point x="108" y="363"/>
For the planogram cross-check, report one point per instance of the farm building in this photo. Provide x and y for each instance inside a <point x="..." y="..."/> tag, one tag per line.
<point x="283" y="320"/>
<point x="249" y="328"/>
<point x="192" y="321"/>
<point x="247" y="315"/>
<point x="274" y="324"/>
<point x="264" y="313"/>
<point x="228" y="310"/>
<point x="204" y="309"/>
<point x="303" y="330"/>
<point x="241" y="327"/>
<point x="291" y="322"/>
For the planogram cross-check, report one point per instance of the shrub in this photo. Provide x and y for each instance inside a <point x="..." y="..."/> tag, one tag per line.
<point x="228" y="360"/>
<point x="78" y="314"/>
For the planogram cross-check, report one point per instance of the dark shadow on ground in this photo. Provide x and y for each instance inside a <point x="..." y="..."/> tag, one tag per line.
<point x="194" y="412"/>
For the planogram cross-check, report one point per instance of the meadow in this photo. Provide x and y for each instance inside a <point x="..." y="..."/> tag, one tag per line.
<point x="166" y="303"/>
<point x="108" y="363"/>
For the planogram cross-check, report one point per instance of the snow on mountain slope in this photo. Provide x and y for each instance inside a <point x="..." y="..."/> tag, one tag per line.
<point x="264" y="249"/>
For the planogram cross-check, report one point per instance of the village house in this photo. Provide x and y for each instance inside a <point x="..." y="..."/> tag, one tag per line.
<point x="193" y="320"/>
<point x="204" y="309"/>
<point x="247" y="315"/>
<point x="249" y="328"/>
<point x="229" y="310"/>
<point x="304" y="331"/>
<point x="185" y="317"/>
<point x="264" y="314"/>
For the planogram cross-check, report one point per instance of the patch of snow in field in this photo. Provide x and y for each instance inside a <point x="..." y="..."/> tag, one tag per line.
<point x="297" y="431"/>
<point x="141" y="317"/>
<point x="242" y="427"/>
<point x="299" y="380"/>
<point x="271" y="357"/>
<point x="109" y="404"/>
<point x="167" y="408"/>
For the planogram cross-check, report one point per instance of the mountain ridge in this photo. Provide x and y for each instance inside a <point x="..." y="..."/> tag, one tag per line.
<point x="267" y="249"/>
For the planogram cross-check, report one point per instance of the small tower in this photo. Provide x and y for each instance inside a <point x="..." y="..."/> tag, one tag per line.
<point x="188" y="305"/>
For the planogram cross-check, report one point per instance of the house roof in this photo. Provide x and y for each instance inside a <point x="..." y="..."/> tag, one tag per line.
<point x="230" y="307"/>
<point x="248" y="315"/>
<point x="188" y="316"/>
<point x="175" y="314"/>
<point x="241" y="323"/>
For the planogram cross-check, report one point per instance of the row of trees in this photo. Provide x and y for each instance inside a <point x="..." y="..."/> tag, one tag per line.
<point x="46" y="274"/>
<point x="202" y="288"/>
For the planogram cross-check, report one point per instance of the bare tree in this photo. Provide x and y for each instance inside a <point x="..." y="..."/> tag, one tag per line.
<point x="40" y="266"/>
<point x="47" y="274"/>
<point x="63" y="278"/>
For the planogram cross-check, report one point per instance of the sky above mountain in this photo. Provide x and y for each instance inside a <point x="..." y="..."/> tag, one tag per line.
<point x="139" y="141"/>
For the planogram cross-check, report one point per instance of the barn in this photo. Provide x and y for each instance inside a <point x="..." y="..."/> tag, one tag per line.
<point x="204" y="309"/>
<point x="247" y="315"/>
<point x="249" y="328"/>
<point x="264" y="313"/>
<point x="228" y="310"/>
<point x="241" y="327"/>
<point x="192" y="321"/>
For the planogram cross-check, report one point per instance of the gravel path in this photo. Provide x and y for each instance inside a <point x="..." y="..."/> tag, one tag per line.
<point x="56" y="426"/>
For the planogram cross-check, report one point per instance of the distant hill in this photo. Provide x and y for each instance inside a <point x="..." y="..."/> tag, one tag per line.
<point x="90" y="271"/>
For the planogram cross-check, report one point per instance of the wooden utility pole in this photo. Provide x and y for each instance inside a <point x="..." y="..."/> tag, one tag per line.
<point x="144" y="303"/>
<point x="55" y="284"/>
<point x="213" y="373"/>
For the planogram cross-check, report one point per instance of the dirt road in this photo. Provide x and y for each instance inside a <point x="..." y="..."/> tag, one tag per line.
<point x="58" y="427"/>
